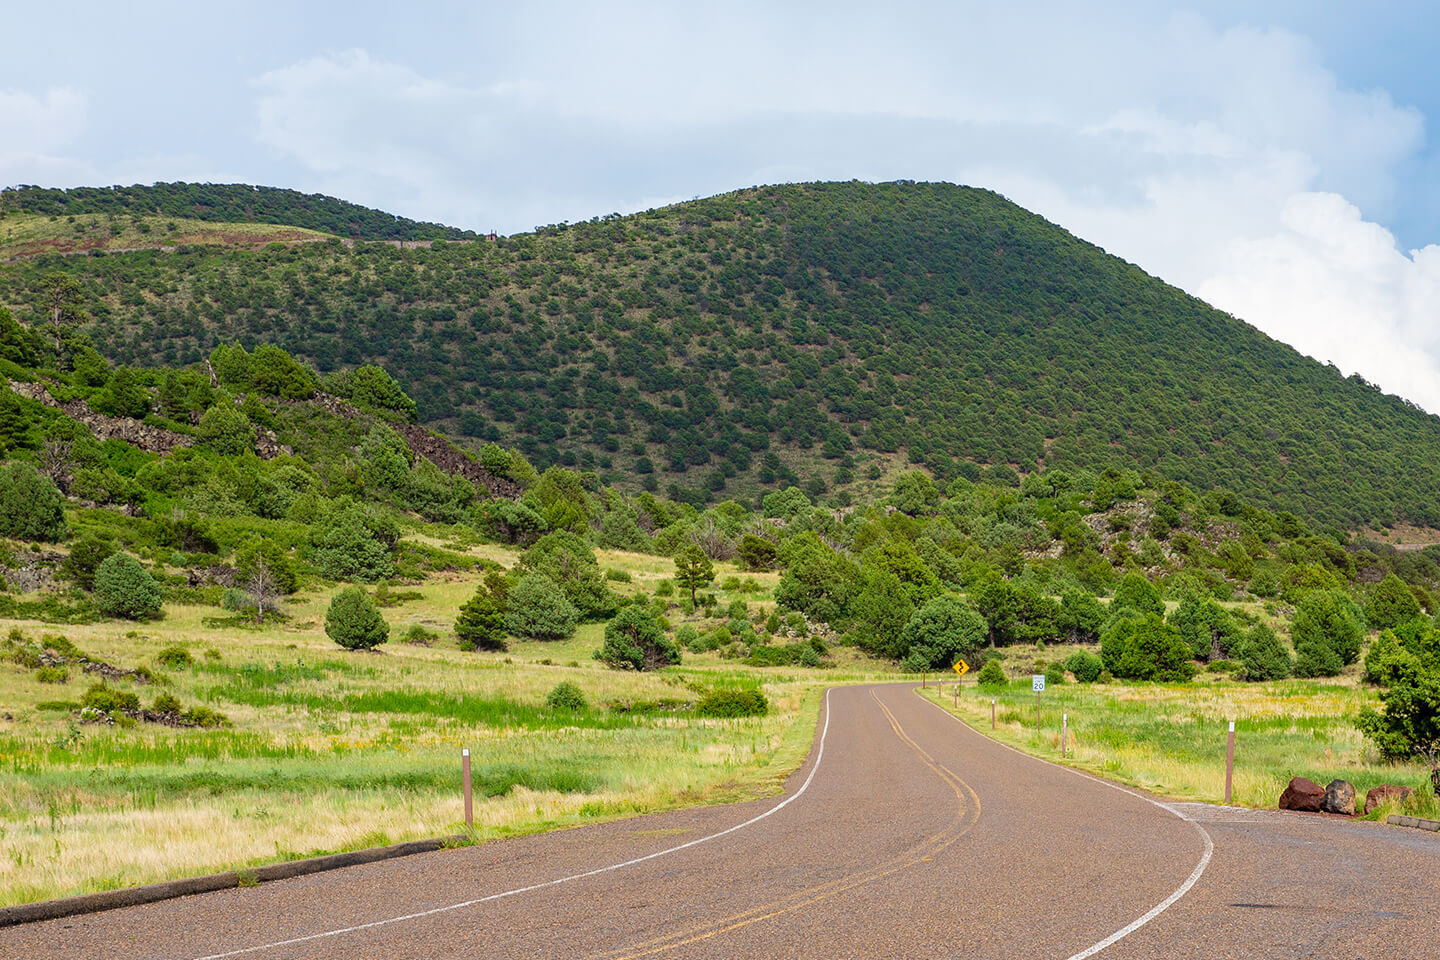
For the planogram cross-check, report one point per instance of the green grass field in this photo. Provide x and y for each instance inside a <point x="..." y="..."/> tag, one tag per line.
<point x="331" y="750"/>
<point x="1170" y="738"/>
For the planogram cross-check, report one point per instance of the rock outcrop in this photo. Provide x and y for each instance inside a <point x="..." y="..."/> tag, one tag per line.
<point x="1385" y="793"/>
<point x="1303" y="794"/>
<point x="1339" y="798"/>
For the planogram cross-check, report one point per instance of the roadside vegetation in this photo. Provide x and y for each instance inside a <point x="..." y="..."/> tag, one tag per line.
<point x="250" y="609"/>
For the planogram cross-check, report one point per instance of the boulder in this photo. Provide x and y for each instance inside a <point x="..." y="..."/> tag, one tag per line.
<point x="1339" y="798"/>
<point x="1302" y="794"/>
<point x="1385" y="793"/>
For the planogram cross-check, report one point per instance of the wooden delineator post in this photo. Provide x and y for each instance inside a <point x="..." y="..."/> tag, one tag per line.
<point x="992" y="714"/>
<point x="465" y="776"/>
<point x="1229" y="760"/>
<point x="1064" y="727"/>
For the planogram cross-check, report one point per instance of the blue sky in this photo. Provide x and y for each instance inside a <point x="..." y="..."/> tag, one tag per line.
<point x="1273" y="158"/>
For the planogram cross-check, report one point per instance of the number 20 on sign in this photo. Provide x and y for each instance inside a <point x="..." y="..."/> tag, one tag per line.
<point x="1037" y="682"/>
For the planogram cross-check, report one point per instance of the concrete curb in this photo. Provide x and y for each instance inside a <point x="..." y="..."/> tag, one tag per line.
<point x="1419" y="823"/>
<point x="170" y="889"/>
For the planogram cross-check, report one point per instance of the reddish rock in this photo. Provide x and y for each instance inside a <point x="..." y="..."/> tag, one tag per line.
<point x="1339" y="798"/>
<point x="1302" y="794"/>
<point x="1385" y="793"/>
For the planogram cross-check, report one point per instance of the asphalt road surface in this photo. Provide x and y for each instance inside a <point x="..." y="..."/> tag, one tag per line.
<point x="905" y="834"/>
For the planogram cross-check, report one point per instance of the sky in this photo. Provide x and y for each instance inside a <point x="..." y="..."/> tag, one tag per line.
<point x="1273" y="158"/>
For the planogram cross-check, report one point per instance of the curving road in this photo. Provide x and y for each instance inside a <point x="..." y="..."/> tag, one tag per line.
<point x="905" y="834"/>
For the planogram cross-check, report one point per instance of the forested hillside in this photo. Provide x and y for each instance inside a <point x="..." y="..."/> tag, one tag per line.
<point x="774" y="336"/>
<point x="227" y="203"/>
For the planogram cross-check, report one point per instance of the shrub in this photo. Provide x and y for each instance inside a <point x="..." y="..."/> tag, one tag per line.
<point x="175" y="658"/>
<point x="226" y="430"/>
<point x="566" y="696"/>
<point x="419" y="635"/>
<point x="31" y="506"/>
<point x="167" y="703"/>
<point x="107" y="699"/>
<point x="992" y="674"/>
<point x="52" y="675"/>
<point x="732" y="703"/>
<point x="1085" y="665"/>
<point x="205" y="717"/>
<point x="1055" y="675"/>
<point x="1264" y="656"/>
<point x="797" y="654"/>
<point x="616" y="575"/>
<point x="538" y="609"/>
<point x="123" y="588"/>
<point x="634" y="640"/>
<point x="354" y="621"/>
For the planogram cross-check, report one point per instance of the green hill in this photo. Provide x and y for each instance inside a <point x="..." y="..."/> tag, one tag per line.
<point x="227" y="203"/>
<point x="795" y="333"/>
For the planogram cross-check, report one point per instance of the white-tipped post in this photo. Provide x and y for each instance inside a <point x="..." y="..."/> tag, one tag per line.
<point x="465" y="777"/>
<point x="1229" y="760"/>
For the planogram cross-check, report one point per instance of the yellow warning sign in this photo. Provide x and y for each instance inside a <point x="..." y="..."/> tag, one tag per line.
<point x="961" y="667"/>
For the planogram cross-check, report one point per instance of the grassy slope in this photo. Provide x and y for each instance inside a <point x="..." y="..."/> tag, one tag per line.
<point x="366" y="745"/>
<point x="28" y="235"/>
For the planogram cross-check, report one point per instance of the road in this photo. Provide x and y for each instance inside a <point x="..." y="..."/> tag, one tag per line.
<point x="905" y="834"/>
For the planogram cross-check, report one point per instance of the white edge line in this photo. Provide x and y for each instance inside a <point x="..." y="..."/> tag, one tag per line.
<point x="1160" y="907"/>
<point x="819" y="755"/>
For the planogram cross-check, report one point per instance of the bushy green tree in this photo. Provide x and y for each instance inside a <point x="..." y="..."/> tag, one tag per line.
<point x="1207" y="627"/>
<point x="786" y="504"/>
<point x="570" y="562"/>
<point x="226" y="430"/>
<point x="351" y="544"/>
<point x="816" y="580"/>
<point x="693" y="570"/>
<point x="370" y="386"/>
<point x="941" y="632"/>
<point x="1391" y="603"/>
<point x="123" y="588"/>
<point x="480" y="624"/>
<point x="992" y="674"/>
<point x="86" y="555"/>
<point x="1264" y="655"/>
<point x="1139" y="594"/>
<point x="1145" y="647"/>
<point x="879" y="612"/>
<point x="31" y="506"/>
<point x="634" y="640"/>
<point x="1327" y="630"/>
<point x="538" y="609"/>
<point x="915" y="493"/>
<point x="756" y="553"/>
<point x="1085" y="665"/>
<point x="275" y="373"/>
<point x="354" y="621"/>
<point x="1408" y="724"/>
<point x="1081" y="616"/>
